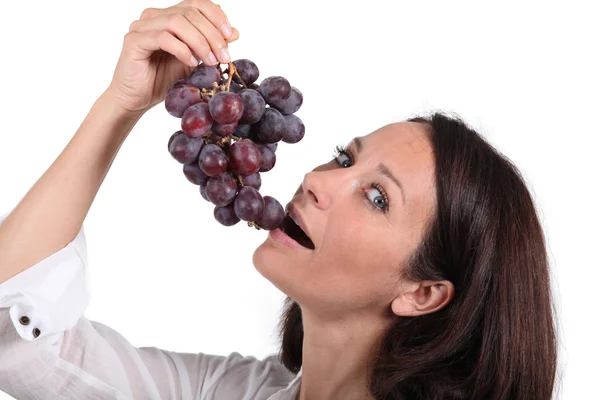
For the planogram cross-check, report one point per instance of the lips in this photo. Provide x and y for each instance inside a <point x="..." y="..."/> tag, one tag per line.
<point x="295" y="227"/>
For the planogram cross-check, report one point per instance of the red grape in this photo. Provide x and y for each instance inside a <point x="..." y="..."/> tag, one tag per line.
<point x="224" y="130"/>
<point x="254" y="106"/>
<point x="194" y="174"/>
<point x="226" y="107"/>
<point x="196" y="120"/>
<point x="244" y="157"/>
<point x="248" y="204"/>
<point x="184" y="148"/>
<point x="203" y="192"/>
<point x="268" y="159"/>
<point x="294" y="129"/>
<point x="235" y="87"/>
<point x="247" y="70"/>
<point x="243" y="130"/>
<point x="252" y="180"/>
<point x="291" y="104"/>
<point x="275" y="88"/>
<point x="271" y="127"/>
<point x="212" y="160"/>
<point x="203" y="76"/>
<point x="173" y="136"/>
<point x="177" y="83"/>
<point x="221" y="189"/>
<point x="272" y="146"/>
<point x="225" y="215"/>
<point x="180" y="97"/>
<point x="272" y="215"/>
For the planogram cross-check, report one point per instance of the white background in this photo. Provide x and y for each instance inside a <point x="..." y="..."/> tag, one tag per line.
<point x="165" y="274"/>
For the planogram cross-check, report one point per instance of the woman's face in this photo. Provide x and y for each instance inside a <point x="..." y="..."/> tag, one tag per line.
<point x="362" y="224"/>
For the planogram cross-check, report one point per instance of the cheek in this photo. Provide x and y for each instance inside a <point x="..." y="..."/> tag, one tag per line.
<point x="357" y="260"/>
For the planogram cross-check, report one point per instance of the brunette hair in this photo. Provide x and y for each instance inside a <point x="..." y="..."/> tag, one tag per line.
<point x="496" y="339"/>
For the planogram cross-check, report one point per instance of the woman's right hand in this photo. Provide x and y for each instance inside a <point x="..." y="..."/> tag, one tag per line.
<point x="163" y="46"/>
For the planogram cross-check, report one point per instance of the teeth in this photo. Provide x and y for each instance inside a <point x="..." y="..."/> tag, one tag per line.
<point x="294" y="230"/>
<point x="296" y="222"/>
<point x="292" y="218"/>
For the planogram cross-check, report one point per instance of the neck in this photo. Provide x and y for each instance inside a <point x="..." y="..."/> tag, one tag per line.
<point x="336" y="355"/>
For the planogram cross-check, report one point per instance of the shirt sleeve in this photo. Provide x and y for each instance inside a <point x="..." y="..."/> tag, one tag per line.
<point x="50" y="296"/>
<point x="72" y="357"/>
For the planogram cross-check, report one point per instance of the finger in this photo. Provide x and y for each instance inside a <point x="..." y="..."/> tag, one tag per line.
<point x="150" y="13"/>
<point x="214" y="14"/>
<point x="146" y="43"/>
<point x="197" y="38"/>
<point x="215" y="38"/>
<point x="234" y="36"/>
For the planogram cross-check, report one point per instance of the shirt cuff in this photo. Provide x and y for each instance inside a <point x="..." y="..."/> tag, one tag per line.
<point x="50" y="296"/>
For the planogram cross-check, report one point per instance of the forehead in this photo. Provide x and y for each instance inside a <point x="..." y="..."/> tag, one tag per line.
<point x="403" y="145"/>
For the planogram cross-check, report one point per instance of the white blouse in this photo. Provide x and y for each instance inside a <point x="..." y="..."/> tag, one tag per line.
<point x="49" y="350"/>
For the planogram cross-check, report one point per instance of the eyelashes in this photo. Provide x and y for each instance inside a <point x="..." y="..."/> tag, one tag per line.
<point x="378" y="202"/>
<point x="340" y="151"/>
<point x="345" y="159"/>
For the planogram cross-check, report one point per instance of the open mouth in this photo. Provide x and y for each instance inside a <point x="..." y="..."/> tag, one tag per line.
<point x="290" y="228"/>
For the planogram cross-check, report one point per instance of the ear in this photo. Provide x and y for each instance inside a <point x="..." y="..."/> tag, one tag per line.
<point x="423" y="298"/>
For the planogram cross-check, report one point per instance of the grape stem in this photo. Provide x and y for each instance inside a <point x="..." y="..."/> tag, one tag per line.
<point x="206" y="136"/>
<point x="229" y="76"/>
<point x="254" y="224"/>
<point x="230" y="72"/>
<point x="216" y="88"/>
<point x="240" y="78"/>
<point x="240" y="180"/>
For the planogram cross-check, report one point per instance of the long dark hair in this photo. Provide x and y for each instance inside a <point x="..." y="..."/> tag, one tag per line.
<point x="496" y="339"/>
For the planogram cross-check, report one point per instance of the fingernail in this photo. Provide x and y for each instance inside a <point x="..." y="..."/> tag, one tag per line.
<point x="212" y="59"/>
<point x="226" y="29"/>
<point x="225" y="55"/>
<point x="193" y="61"/>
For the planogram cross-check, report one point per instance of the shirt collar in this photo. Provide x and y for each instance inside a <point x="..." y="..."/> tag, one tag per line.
<point x="297" y="378"/>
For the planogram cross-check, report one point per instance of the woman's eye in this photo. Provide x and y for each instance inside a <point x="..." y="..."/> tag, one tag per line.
<point x="376" y="197"/>
<point x="343" y="160"/>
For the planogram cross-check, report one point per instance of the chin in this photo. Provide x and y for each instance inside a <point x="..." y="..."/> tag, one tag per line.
<point x="265" y="258"/>
<point x="273" y="265"/>
<point x="260" y="257"/>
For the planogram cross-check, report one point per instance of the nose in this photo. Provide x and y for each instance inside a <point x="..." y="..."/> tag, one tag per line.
<point x="315" y="187"/>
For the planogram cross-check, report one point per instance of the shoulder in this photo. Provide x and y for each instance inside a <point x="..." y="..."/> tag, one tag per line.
<point x="247" y="375"/>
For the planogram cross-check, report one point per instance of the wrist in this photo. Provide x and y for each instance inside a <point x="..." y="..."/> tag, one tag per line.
<point x="117" y="120"/>
<point x="110" y="101"/>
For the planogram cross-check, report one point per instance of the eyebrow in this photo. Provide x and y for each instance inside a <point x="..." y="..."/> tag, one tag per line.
<point x="382" y="169"/>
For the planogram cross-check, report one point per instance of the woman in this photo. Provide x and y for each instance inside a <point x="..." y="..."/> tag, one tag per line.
<point x="426" y="276"/>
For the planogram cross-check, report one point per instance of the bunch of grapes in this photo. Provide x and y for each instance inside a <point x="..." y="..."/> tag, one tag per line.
<point x="230" y="128"/>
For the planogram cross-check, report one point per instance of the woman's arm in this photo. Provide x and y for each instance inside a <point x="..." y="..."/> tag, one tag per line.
<point x="53" y="211"/>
